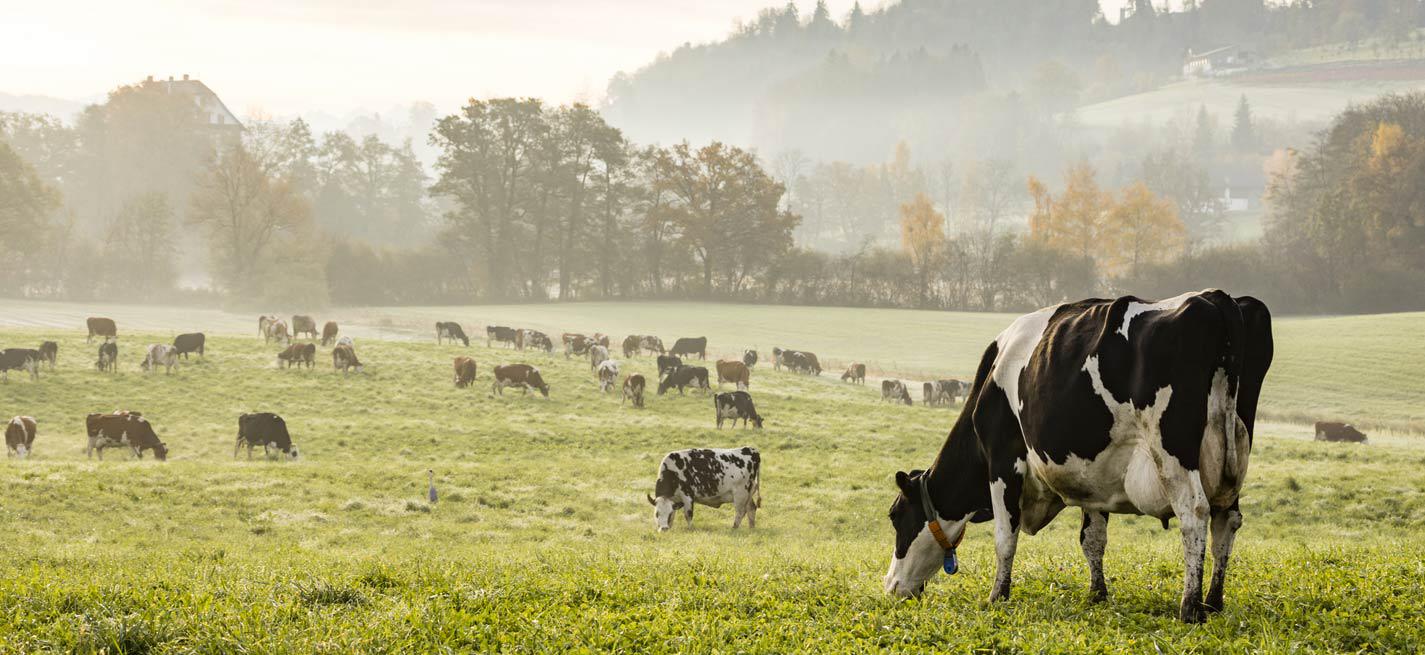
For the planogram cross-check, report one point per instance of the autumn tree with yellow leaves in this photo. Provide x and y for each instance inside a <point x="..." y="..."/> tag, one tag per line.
<point x="1119" y="233"/>
<point x="923" y="238"/>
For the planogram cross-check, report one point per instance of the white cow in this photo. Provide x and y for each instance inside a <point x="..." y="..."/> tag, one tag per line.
<point x="160" y="355"/>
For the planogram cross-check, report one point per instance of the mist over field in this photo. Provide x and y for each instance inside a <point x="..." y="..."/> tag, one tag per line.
<point x="444" y="251"/>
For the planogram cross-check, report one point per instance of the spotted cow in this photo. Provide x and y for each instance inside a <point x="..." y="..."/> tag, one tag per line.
<point x="127" y="429"/>
<point x="524" y="376"/>
<point x="855" y="373"/>
<point x="711" y="477"/>
<point x="160" y="354"/>
<point x="895" y="391"/>
<point x="1119" y="406"/>
<point x="633" y="387"/>
<point x="452" y="332"/>
<point x="20" y="436"/>
<point x="734" y="406"/>
<point x="264" y="429"/>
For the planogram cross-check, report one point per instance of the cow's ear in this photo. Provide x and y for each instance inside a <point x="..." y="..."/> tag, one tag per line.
<point x="904" y="482"/>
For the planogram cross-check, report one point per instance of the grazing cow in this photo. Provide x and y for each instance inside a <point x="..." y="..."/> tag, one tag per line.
<point x="450" y="331"/>
<point x="264" y="429"/>
<point x="49" y="352"/>
<point x="501" y="334"/>
<point x="895" y="391"/>
<point x="108" y="357"/>
<point x="277" y="331"/>
<point x="749" y="357"/>
<point x="778" y="358"/>
<point x="735" y="405"/>
<point x="1333" y="431"/>
<point x="601" y="339"/>
<point x="855" y="373"/>
<point x="711" y="477"/>
<point x="189" y="343"/>
<point x="733" y="371"/>
<point x="1115" y="406"/>
<point x="101" y="327"/>
<point x="608" y="375"/>
<point x="298" y="354"/>
<point x="929" y="395"/>
<point x="575" y="344"/>
<point x="946" y="391"/>
<point x="343" y="358"/>
<point x="264" y="323"/>
<point x="684" y="376"/>
<point x="20" y="436"/>
<point x="653" y="345"/>
<point x="633" y="387"/>
<point x="329" y="333"/>
<point x="667" y="364"/>
<point x="690" y="346"/>
<point x="597" y="355"/>
<point x="346" y="341"/>
<point x="630" y="345"/>
<point x="534" y="339"/>
<point x="20" y="359"/>
<point x="302" y="324"/>
<point x="806" y="362"/>
<point x="159" y="354"/>
<point x="128" y="429"/>
<point x="464" y="372"/>
<point x="519" y="375"/>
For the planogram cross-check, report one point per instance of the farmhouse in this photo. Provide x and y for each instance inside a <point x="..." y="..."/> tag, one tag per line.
<point x="1217" y="61"/>
<point x="214" y="112"/>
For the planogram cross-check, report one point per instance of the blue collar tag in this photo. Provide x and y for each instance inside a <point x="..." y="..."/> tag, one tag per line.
<point x="952" y="566"/>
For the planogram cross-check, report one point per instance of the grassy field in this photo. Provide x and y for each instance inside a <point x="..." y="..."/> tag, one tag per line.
<point x="542" y="540"/>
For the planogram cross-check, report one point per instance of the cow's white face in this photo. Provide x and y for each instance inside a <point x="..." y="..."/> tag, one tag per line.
<point x="908" y="573"/>
<point x="663" y="509"/>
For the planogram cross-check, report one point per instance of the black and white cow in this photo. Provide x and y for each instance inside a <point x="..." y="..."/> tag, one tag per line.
<point x="450" y="331"/>
<point x="684" y="376"/>
<point x="711" y="477"/>
<point x="108" y="357"/>
<point x="1114" y="406"/>
<point x="264" y="429"/>
<point x="667" y="363"/>
<point x="749" y="357"/>
<point x="160" y="354"/>
<point x="895" y="391"/>
<point x="20" y="436"/>
<point x="608" y="374"/>
<point x="734" y="405"/>
<point x="20" y="359"/>
<point x="500" y="333"/>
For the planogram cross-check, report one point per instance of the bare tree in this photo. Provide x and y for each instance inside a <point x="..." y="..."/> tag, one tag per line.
<point x="244" y="209"/>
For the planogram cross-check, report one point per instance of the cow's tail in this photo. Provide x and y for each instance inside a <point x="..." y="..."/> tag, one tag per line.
<point x="1234" y="353"/>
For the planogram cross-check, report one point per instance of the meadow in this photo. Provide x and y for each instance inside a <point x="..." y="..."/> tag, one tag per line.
<point x="542" y="540"/>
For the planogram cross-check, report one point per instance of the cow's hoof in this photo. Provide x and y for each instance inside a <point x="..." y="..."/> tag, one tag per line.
<point x="1191" y="613"/>
<point x="1098" y="594"/>
<point x="1213" y="603"/>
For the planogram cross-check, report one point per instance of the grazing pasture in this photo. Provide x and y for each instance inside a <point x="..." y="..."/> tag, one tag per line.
<point x="543" y="539"/>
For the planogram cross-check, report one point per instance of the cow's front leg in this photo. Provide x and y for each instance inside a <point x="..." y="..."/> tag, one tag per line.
<point x="1190" y="506"/>
<point x="688" y="513"/>
<point x="1224" y="532"/>
<point x="1005" y="492"/>
<point x="1093" y="539"/>
<point x="739" y="507"/>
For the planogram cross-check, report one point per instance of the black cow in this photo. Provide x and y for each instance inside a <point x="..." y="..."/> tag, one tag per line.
<point x="736" y="405"/>
<point x="450" y="331"/>
<point x="1334" y="431"/>
<point x="20" y="359"/>
<point x="690" y="346"/>
<point x="684" y="376"/>
<point x="128" y="429"/>
<point x="501" y="334"/>
<point x="749" y="357"/>
<point x="189" y="343"/>
<point x="667" y="363"/>
<point x="264" y="429"/>
<point x="108" y="357"/>
<point x="49" y="350"/>
<point x="1115" y="406"/>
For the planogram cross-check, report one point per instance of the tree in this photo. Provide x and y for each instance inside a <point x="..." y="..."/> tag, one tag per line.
<point x="139" y="246"/>
<point x="1141" y="229"/>
<point x="1075" y="221"/>
<point x="1204" y="136"/>
<point x="922" y="238"/>
<point x="1244" y="136"/>
<point x="26" y="204"/>
<point x="1172" y="173"/>
<point x="247" y="211"/>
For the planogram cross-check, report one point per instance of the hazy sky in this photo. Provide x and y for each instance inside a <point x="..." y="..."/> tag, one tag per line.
<point x="297" y="56"/>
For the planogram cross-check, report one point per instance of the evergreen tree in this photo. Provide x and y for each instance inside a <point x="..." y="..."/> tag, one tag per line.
<point x="1244" y="136"/>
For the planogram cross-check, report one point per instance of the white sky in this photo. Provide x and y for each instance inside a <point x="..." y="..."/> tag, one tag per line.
<point x="299" y="56"/>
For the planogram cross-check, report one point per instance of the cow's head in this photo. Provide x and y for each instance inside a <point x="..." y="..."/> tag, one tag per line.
<point x="160" y="452"/>
<point x="757" y="421"/>
<point x="918" y="552"/>
<point x="663" y="508"/>
<point x="292" y="454"/>
<point x="537" y="381"/>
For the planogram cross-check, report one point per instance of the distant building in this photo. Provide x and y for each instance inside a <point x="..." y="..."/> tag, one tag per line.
<point x="214" y="112"/>
<point x="1212" y="62"/>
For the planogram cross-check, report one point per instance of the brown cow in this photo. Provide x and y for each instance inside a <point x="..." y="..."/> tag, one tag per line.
<point x="601" y="339"/>
<point x="733" y="371"/>
<point x="633" y="387"/>
<point x="49" y="351"/>
<point x="518" y="375"/>
<point x="265" y="322"/>
<point x="129" y="429"/>
<point x="20" y="436"/>
<point x="1334" y="431"/>
<point x="101" y="327"/>
<point x="576" y="344"/>
<point x="464" y="372"/>
<point x="302" y="324"/>
<point x="276" y="331"/>
<point x="298" y="354"/>
<point x="329" y="333"/>
<point x="855" y="373"/>
<point x="343" y="358"/>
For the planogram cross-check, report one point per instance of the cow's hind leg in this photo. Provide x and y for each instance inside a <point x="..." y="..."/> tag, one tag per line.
<point x="739" y="506"/>
<point x="1093" y="538"/>
<point x="1005" y="493"/>
<point x="1190" y="506"/>
<point x="1224" y="532"/>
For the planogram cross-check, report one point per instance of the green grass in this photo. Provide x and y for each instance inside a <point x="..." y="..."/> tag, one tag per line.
<point x="542" y="540"/>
